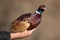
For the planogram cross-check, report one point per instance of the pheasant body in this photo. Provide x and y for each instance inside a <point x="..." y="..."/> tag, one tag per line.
<point x="27" y="21"/>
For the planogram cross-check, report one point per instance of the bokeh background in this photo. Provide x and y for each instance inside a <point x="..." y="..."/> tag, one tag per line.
<point x="49" y="29"/>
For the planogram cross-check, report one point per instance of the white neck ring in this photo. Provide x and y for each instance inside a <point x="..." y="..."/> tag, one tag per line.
<point x="38" y="12"/>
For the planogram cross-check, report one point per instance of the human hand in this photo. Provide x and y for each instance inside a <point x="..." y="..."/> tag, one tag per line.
<point x="21" y="34"/>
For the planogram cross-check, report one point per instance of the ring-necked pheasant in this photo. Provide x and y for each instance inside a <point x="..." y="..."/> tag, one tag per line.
<point x="27" y="21"/>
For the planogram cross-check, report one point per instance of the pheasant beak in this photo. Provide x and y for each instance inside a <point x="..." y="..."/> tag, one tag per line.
<point x="44" y="8"/>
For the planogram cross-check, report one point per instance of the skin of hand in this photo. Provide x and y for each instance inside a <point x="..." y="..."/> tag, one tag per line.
<point x="23" y="34"/>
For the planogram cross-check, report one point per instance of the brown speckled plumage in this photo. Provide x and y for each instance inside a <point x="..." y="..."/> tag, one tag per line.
<point x="27" y="21"/>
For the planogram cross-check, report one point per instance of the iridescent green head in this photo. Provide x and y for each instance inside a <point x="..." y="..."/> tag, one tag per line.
<point x="41" y="9"/>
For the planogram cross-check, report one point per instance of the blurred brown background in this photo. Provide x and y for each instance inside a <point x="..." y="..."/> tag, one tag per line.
<point x="49" y="29"/>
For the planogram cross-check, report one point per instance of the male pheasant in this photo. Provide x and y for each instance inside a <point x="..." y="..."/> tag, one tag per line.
<point x="27" y="21"/>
